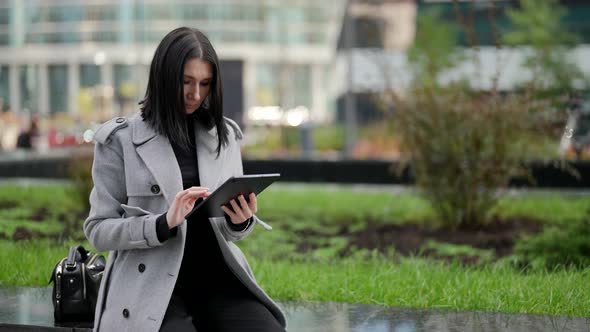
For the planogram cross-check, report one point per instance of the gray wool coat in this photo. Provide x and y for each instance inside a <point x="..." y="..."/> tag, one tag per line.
<point x="136" y="177"/>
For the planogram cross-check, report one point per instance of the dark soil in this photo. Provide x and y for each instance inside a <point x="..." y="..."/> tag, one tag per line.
<point x="499" y="235"/>
<point x="8" y="204"/>
<point x="22" y="233"/>
<point x="40" y="214"/>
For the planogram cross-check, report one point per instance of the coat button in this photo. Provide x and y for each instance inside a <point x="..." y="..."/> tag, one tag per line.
<point x="155" y="189"/>
<point x="120" y="120"/>
<point x="125" y="313"/>
<point x="141" y="267"/>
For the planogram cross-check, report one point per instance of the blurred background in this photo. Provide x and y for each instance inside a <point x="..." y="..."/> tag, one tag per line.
<point x="305" y="78"/>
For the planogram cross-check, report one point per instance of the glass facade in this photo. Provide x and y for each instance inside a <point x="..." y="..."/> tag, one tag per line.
<point x="294" y="22"/>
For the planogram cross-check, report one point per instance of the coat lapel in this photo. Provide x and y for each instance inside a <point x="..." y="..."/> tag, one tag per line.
<point x="157" y="154"/>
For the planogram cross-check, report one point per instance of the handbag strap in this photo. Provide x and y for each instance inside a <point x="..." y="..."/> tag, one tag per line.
<point x="71" y="260"/>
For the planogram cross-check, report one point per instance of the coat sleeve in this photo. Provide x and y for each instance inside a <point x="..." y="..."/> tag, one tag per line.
<point x="111" y="224"/>
<point x="236" y="160"/>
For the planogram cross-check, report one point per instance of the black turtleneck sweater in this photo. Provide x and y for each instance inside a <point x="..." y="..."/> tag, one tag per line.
<point x="203" y="266"/>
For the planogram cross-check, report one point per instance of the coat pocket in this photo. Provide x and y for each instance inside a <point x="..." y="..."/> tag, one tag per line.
<point x="134" y="211"/>
<point x="146" y="195"/>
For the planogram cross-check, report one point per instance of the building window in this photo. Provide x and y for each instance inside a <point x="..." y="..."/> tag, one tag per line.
<point x="125" y="88"/>
<point x="301" y="85"/>
<point x="101" y="13"/>
<point x="368" y="32"/>
<point x="104" y="36"/>
<point x="5" y="16"/>
<point x="4" y="88"/>
<point x="89" y="75"/>
<point x="58" y="88"/>
<point x="59" y="13"/>
<point x="267" y="85"/>
<point x="28" y="79"/>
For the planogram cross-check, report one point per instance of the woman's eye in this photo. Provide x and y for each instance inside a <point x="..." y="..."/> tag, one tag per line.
<point x="187" y="82"/>
<point x="205" y="84"/>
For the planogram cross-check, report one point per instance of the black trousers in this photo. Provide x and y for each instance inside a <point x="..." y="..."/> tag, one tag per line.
<point x="223" y="313"/>
<point x="177" y="317"/>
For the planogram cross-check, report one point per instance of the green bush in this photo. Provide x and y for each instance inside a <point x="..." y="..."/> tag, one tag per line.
<point x="556" y="247"/>
<point x="463" y="146"/>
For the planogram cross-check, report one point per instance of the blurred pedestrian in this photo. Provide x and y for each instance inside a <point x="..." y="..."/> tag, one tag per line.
<point x="26" y="137"/>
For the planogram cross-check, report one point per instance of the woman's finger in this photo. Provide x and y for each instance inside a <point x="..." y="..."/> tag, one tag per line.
<point x="195" y="194"/>
<point x="198" y="188"/>
<point x="180" y="194"/>
<point x="245" y="207"/>
<point x="237" y="210"/>
<point x="190" y="190"/>
<point x="229" y="212"/>
<point x="191" y="202"/>
<point x="253" y="203"/>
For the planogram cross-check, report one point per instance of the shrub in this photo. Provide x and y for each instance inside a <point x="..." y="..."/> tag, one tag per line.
<point x="463" y="146"/>
<point x="556" y="247"/>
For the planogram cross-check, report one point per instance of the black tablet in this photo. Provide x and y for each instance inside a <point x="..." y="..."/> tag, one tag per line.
<point x="230" y="189"/>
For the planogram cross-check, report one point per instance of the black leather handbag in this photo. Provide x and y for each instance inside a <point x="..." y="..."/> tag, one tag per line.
<point x="76" y="280"/>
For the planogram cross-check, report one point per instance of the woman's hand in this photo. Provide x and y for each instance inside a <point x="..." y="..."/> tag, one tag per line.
<point x="183" y="204"/>
<point x="243" y="211"/>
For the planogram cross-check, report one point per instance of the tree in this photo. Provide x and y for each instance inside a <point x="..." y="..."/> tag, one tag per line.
<point x="434" y="49"/>
<point x="538" y="25"/>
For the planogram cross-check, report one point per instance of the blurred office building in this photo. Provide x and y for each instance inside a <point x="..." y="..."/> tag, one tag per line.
<point x="89" y="60"/>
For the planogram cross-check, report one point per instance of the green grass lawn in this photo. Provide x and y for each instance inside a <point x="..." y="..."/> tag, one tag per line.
<point x="410" y="282"/>
<point x="320" y="275"/>
<point x="424" y="284"/>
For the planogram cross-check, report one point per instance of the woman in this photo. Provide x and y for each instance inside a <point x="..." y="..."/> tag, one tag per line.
<point x="163" y="272"/>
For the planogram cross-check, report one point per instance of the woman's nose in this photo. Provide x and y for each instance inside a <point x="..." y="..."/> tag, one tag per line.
<point x="195" y="94"/>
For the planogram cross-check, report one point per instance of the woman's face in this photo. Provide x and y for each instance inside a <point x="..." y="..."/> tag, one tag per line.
<point x="198" y="75"/>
